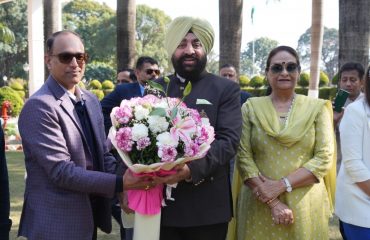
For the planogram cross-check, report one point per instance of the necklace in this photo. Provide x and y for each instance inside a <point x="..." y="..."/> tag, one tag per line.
<point x="285" y="118"/>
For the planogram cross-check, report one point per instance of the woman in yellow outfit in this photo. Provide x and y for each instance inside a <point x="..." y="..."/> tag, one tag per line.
<point x="284" y="168"/>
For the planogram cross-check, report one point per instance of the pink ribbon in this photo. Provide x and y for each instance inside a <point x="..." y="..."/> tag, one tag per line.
<point x="148" y="202"/>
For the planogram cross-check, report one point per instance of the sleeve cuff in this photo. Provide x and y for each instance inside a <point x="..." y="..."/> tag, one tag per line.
<point x="119" y="184"/>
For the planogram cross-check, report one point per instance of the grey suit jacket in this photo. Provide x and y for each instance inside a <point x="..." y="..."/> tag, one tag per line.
<point x="207" y="199"/>
<point x="58" y="186"/>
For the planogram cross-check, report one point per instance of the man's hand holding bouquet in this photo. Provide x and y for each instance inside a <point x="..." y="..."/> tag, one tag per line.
<point x="156" y="136"/>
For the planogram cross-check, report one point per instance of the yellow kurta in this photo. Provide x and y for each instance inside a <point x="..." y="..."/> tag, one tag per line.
<point x="275" y="150"/>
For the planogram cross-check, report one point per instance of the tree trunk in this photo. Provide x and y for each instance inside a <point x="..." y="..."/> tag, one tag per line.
<point x="317" y="32"/>
<point x="52" y="21"/>
<point x="230" y="17"/>
<point x="126" y="24"/>
<point x="354" y="31"/>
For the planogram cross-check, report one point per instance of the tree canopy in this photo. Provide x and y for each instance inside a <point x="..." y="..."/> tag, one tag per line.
<point x="262" y="47"/>
<point x="330" y="49"/>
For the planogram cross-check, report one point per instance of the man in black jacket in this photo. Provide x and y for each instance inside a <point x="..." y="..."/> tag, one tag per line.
<point x="202" y="207"/>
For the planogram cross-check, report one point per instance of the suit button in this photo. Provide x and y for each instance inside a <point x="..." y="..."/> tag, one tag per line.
<point x="211" y="179"/>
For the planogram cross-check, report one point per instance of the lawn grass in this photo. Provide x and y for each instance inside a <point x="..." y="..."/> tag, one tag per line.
<point x="16" y="178"/>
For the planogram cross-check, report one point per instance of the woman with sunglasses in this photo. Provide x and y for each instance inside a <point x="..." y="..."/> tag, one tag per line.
<point x="286" y="150"/>
<point x="353" y="189"/>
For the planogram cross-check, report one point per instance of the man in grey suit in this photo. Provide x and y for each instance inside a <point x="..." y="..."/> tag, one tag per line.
<point x="202" y="207"/>
<point x="70" y="173"/>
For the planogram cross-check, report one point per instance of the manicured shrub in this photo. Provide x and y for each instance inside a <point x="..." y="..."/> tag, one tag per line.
<point x="304" y="79"/>
<point x="256" y="81"/>
<point x="324" y="79"/>
<point x="7" y="93"/>
<point x="107" y="84"/>
<point x="94" y="84"/>
<point x="244" y="80"/>
<point x="98" y="93"/>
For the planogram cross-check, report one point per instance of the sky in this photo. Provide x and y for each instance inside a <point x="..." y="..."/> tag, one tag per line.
<point x="284" y="20"/>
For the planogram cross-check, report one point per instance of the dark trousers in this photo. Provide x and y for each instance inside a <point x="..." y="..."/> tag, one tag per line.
<point x="208" y="232"/>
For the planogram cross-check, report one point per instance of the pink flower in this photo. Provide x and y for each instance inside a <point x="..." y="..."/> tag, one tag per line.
<point x="202" y="136"/>
<point x="194" y="114"/>
<point x="123" y="138"/>
<point x="142" y="143"/>
<point x="123" y="114"/>
<point x="191" y="149"/>
<point x="167" y="153"/>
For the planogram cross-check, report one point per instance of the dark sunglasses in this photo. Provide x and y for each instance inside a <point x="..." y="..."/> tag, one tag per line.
<point x="66" y="57"/>
<point x="289" y="67"/>
<point x="150" y="71"/>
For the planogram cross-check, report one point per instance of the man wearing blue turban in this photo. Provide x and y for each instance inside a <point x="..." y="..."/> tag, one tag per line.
<point x="202" y="207"/>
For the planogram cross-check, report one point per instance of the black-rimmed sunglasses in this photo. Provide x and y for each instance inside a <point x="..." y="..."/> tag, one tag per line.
<point x="66" y="57"/>
<point x="150" y="71"/>
<point x="289" y="67"/>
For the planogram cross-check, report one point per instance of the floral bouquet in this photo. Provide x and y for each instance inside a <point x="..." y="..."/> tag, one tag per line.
<point x="154" y="134"/>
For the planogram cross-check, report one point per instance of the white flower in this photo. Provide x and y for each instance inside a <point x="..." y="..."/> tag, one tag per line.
<point x="157" y="124"/>
<point x="141" y="112"/>
<point x="167" y="139"/>
<point x="139" y="131"/>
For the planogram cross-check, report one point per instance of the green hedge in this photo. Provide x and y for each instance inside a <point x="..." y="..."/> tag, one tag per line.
<point x="324" y="92"/>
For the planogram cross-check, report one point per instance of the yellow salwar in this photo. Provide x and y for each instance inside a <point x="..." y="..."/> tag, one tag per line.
<point x="275" y="150"/>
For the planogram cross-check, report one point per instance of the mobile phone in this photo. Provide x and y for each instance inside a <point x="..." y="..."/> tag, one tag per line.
<point x="340" y="100"/>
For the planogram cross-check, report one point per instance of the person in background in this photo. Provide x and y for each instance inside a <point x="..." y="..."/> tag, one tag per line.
<point x="286" y="151"/>
<point x="5" y="221"/>
<point x="202" y="206"/>
<point x="70" y="173"/>
<point x="126" y="75"/>
<point x="228" y="71"/>
<point x="146" y="69"/>
<point x="350" y="79"/>
<point x="352" y="204"/>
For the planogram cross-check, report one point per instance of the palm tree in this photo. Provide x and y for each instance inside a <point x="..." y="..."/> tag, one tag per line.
<point x="52" y="21"/>
<point x="230" y="15"/>
<point x="354" y="31"/>
<point x="317" y="32"/>
<point x="126" y="22"/>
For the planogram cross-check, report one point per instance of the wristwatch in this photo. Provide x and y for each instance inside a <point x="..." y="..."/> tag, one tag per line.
<point x="287" y="184"/>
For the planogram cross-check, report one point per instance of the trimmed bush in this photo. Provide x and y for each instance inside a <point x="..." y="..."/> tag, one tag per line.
<point x="94" y="84"/>
<point x="335" y="79"/>
<point x="244" y="80"/>
<point x="7" y="93"/>
<point x="107" y="84"/>
<point x="17" y="84"/>
<point x="324" y="79"/>
<point x="324" y="92"/>
<point x="98" y="93"/>
<point x="81" y="85"/>
<point x="99" y="70"/>
<point x="304" y="79"/>
<point x="256" y="82"/>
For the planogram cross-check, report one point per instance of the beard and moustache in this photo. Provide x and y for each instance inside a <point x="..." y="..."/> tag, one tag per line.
<point x="186" y="71"/>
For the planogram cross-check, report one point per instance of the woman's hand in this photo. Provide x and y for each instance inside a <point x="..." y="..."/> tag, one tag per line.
<point x="268" y="189"/>
<point x="281" y="214"/>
